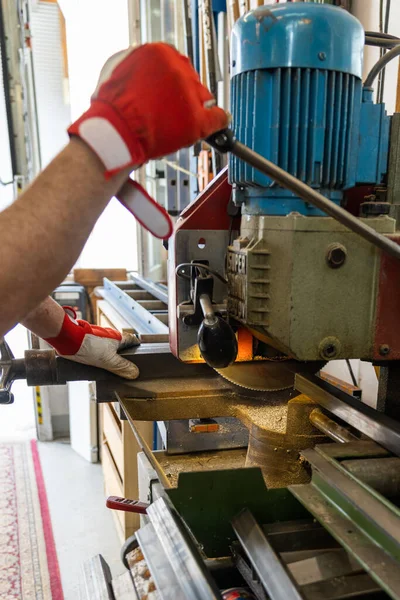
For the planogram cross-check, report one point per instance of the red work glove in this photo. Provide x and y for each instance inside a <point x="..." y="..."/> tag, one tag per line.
<point x="93" y="345"/>
<point x="149" y="102"/>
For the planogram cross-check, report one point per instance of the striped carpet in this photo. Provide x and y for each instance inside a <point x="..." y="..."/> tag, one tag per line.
<point x="28" y="560"/>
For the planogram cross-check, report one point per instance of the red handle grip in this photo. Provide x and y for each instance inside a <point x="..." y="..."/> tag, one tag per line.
<point x="117" y="503"/>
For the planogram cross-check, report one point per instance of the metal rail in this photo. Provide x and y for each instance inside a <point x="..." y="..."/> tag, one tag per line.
<point x="158" y="290"/>
<point x="358" y="517"/>
<point x="142" y="320"/>
<point x="149" y="454"/>
<point x="275" y="578"/>
<point x="377" y="426"/>
<point x="336" y="432"/>
<point x="194" y="579"/>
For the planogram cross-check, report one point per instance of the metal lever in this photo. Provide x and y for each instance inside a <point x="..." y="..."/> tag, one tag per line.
<point x="6" y="379"/>
<point x="44" y="367"/>
<point x="216" y="339"/>
<point x="224" y="141"/>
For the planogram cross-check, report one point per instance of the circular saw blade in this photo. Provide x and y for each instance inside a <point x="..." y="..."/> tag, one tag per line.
<point x="260" y="375"/>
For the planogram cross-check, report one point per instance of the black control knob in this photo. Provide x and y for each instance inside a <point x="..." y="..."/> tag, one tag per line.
<point x="216" y="338"/>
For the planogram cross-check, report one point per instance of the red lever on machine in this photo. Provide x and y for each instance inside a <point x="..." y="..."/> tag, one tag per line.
<point x="117" y="503"/>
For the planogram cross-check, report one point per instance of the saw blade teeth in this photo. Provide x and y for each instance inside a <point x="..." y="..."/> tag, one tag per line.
<point x="254" y="389"/>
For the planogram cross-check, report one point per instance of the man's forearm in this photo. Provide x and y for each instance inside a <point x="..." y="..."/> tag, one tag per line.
<point x="44" y="231"/>
<point x="46" y="319"/>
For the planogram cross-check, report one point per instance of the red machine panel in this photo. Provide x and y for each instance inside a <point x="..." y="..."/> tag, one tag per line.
<point x="207" y="212"/>
<point x="387" y="323"/>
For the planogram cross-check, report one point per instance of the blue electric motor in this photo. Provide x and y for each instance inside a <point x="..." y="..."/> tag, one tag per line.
<point x="297" y="99"/>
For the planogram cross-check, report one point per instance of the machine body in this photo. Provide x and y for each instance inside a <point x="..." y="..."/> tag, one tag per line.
<point x="301" y="283"/>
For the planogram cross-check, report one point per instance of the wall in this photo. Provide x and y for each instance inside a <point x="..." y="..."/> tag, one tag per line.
<point x="6" y="191"/>
<point x="367" y="11"/>
<point x="96" y="29"/>
<point x="52" y="102"/>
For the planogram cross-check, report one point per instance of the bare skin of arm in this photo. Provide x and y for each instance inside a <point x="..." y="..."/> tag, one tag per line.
<point x="46" y="319"/>
<point x="44" y="231"/>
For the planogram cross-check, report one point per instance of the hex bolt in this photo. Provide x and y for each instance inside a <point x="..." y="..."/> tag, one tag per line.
<point x="336" y="255"/>
<point x="384" y="349"/>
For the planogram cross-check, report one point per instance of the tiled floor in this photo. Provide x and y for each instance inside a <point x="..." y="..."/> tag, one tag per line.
<point x="82" y="525"/>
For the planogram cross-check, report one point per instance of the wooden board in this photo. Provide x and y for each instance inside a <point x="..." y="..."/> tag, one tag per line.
<point x="120" y="448"/>
<point x="131" y="484"/>
<point x="113" y="487"/>
<point x="113" y="435"/>
<point x="94" y="277"/>
<point x="107" y="316"/>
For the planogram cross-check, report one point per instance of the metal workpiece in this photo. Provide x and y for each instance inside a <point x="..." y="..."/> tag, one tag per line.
<point x="330" y="428"/>
<point x="377" y="426"/>
<point x="274" y="576"/>
<point x="166" y="580"/>
<point x="195" y="581"/>
<point x="44" y="367"/>
<point x="357" y="516"/>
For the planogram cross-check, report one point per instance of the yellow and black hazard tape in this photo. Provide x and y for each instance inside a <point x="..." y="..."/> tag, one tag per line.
<point x="39" y="405"/>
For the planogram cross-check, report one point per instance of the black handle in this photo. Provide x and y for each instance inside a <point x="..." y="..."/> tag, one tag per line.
<point x="217" y="343"/>
<point x="6" y="397"/>
<point x="223" y="141"/>
<point x="7" y="374"/>
<point x="216" y="338"/>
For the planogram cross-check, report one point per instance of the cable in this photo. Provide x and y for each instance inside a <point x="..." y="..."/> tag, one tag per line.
<point x="387" y="16"/>
<point x="7" y="93"/>
<point x="381" y="34"/>
<point x="4" y="183"/>
<point x="381" y="64"/>
<point x="385" y="30"/>
<point x="353" y="377"/>
<point x="198" y="266"/>
<point x="382" y="50"/>
<point x="382" y="42"/>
